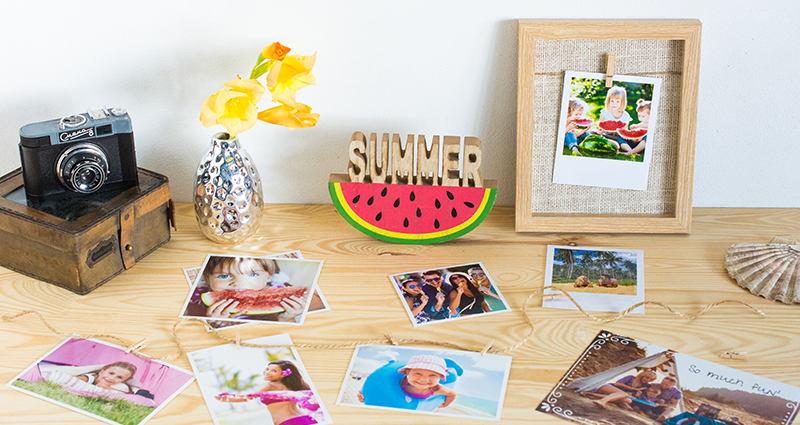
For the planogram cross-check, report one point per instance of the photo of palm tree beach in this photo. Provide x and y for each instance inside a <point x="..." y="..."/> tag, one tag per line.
<point x="599" y="279"/>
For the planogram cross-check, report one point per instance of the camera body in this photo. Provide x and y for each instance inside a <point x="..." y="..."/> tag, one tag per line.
<point x="78" y="154"/>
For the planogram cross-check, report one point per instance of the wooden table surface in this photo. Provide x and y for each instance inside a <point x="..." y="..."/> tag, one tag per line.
<point x="685" y="271"/>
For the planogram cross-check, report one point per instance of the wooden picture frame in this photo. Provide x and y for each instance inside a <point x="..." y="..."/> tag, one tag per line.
<point x="666" y="48"/>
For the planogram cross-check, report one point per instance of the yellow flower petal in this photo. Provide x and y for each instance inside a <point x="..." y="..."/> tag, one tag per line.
<point x="291" y="118"/>
<point x="208" y="115"/>
<point x="295" y="73"/>
<point x="275" y="51"/>
<point x="252" y="88"/>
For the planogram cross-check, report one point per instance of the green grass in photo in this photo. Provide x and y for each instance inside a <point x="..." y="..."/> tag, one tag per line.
<point x="633" y="158"/>
<point x="117" y="410"/>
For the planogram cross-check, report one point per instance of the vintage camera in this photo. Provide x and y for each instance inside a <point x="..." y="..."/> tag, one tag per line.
<point x="78" y="154"/>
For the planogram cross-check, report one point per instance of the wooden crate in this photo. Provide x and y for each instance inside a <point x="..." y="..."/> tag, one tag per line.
<point x="83" y="253"/>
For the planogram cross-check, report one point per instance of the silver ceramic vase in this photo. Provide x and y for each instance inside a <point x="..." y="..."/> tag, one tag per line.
<point x="228" y="200"/>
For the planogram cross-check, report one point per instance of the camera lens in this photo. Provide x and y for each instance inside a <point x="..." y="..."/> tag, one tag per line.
<point x="82" y="168"/>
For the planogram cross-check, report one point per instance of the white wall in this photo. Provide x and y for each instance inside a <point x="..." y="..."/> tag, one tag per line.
<point x="424" y="67"/>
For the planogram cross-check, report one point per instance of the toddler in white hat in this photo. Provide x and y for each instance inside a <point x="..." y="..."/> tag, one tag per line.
<point x="422" y="376"/>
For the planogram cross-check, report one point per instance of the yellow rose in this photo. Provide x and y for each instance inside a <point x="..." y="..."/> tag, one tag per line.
<point x="295" y="73"/>
<point x="290" y="117"/>
<point x="234" y="108"/>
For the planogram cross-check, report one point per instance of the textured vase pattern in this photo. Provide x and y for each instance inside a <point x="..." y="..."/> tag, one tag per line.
<point x="228" y="198"/>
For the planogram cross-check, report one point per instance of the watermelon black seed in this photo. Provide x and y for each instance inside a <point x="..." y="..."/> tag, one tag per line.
<point x="454" y="213"/>
<point x="405" y="222"/>
<point x="449" y="195"/>
<point x="370" y="200"/>
<point x="397" y="202"/>
<point x="378" y="217"/>
<point x="419" y="213"/>
<point x="383" y="192"/>
<point x="412" y="196"/>
<point x="438" y="204"/>
<point x="469" y="204"/>
<point x="355" y="200"/>
<point x="436" y="223"/>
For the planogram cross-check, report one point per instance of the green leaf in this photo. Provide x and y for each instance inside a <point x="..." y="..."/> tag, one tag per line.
<point x="261" y="69"/>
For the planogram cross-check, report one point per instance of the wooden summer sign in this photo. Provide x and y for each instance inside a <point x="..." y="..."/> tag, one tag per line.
<point x="398" y="205"/>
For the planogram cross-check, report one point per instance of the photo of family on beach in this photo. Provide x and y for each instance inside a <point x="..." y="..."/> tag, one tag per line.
<point x="599" y="279"/>
<point x="448" y="293"/>
<point x="606" y="130"/>
<point x="318" y="302"/>
<point x="101" y="380"/>
<point x="623" y="381"/>
<point x="424" y="380"/>
<point x="257" y="386"/>
<point x="254" y="289"/>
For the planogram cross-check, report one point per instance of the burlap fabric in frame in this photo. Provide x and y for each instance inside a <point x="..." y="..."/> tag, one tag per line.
<point x="647" y="58"/>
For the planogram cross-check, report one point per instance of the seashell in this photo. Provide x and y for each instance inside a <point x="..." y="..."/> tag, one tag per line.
<point x="768" y="270"/>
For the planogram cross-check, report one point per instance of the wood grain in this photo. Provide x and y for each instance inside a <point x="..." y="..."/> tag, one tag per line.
<point x="685" y="271"/>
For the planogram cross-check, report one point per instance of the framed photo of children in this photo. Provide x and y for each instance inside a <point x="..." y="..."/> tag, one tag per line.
<point x="257" y="386"/>
<point x="428" y="381"/>
<point x="253" y="289"/>
<point x="102" y="381"/>
<point x="606" y="130"/>
<point x="448" y="293"/>
<point x="634" y="176"/>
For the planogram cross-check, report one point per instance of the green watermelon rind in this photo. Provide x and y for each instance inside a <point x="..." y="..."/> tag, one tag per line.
<point x="413" y="241"/>
<point x="595" y="139"/>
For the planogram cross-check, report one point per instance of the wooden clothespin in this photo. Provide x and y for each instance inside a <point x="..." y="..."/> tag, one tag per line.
<point x="735" y="355"/>
<point x="609" y="69"/>
<point x="487" y="347"/>
<point x="138" y="346"/>
<point x="238" y="339"/>
<point x="391" y="338"/>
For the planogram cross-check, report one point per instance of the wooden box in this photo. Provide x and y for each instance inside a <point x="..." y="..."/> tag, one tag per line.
<point x="82" y="253"/>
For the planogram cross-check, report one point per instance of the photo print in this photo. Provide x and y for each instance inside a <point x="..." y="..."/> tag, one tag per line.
<point x="318" y="302"/>
<point x="448" y="293"/>
<point x="623" y="381"/>
<point x="599" y="279"/>
<point x="428" y="381"/>
<point x="253" y="289"/>
<point x="605" y="135"/>
<point x="101" y="380"/>
<point x="257" y="386"/>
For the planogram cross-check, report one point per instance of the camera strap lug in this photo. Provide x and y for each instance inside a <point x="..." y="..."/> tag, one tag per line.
<point x="126" y="223"/>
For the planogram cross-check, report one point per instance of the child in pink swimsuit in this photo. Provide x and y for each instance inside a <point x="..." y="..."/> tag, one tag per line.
<point x="284" y="392"/>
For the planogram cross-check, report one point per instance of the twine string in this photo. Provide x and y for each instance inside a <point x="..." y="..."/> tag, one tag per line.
<point x="489" y="348"/>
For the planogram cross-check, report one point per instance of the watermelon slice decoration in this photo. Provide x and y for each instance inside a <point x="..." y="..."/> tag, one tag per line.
<point x="583" y="123"/>
<point x="255" y="302"/>
<point x="632" y="134"/>
<point x="412" y="214"/>
<point x="597" y="146"/>
<point x="611" y="126"/>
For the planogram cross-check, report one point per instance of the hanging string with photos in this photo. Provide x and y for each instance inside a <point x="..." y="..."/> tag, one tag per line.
<point x="490" y="347"/>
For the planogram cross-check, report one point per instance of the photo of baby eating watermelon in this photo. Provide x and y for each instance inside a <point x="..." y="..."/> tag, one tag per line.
<point x="237" y="288"/>
<point x="605" y="135"/>
<point x="101" y="380"/>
